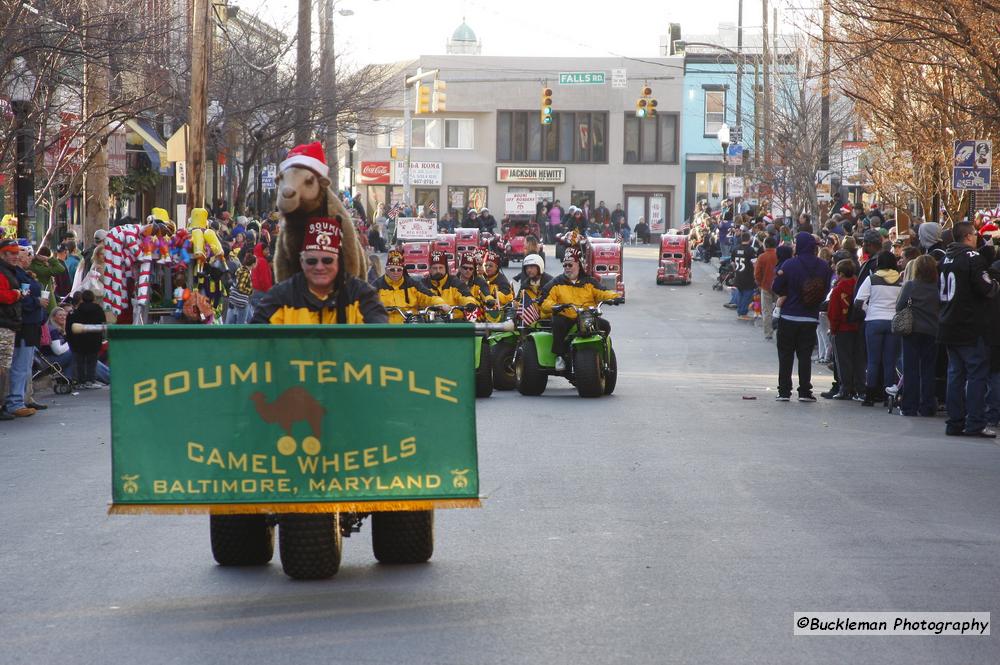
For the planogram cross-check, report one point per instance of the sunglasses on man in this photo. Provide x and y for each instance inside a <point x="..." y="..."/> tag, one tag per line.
<point x="327" y="260"/>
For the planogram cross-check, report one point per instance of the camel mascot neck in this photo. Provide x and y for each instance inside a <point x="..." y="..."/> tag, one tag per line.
<point x="303" y="186"/>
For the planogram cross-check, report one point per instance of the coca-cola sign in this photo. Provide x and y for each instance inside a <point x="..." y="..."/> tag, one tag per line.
<point x="374" y="173"/>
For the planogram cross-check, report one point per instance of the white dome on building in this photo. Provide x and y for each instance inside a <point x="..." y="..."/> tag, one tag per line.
<point x="463" y="41"/>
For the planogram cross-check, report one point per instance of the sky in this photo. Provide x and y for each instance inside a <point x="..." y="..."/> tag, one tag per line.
<point x="394" y="30"/>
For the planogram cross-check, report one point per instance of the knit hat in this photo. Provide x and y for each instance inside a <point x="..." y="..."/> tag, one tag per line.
<point x="323" y="234"/>
<point x="310" y="156"/>
<point x="439" y="258"/>
<point x="872" y="237"/>
<point x="846" y="209"/>
<point x="929" y="234"/>
<point x="395" y="258"/>
<point x="9" y="245"/>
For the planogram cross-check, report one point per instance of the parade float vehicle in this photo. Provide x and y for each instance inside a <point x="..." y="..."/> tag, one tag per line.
<point x="466" y="241"/>
<point x="605" y="261"/>
<point x="417" y="257"/>
<point x="287" y="436"/>
<point x="591" y="362"/>
<point x="417" y="237"/>
<point x="445" y="242"/>
<point x="675" y="260"/>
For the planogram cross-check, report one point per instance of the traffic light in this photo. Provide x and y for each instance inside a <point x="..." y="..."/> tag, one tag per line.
<point x="546" y="113"/>
<point x="645" y="106"/>
<point x="439" y="96"/>
<point x="423" y="99"/>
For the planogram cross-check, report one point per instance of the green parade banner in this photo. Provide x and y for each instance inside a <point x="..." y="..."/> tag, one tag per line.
<point x="251" y="419"/>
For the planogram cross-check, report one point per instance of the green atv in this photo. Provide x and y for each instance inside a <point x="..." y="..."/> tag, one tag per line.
<point x="591" y="364"/>
<point x="442" y="314"/>
<point x="503" y="346"/>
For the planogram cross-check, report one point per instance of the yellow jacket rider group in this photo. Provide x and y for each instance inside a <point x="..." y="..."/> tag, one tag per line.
<point x="573" y="287"/>
<point x="324" y="292"/>
<point x="397" y="289"/>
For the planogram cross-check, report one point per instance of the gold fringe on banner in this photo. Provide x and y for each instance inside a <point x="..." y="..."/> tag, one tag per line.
<point x="258" y="508"/>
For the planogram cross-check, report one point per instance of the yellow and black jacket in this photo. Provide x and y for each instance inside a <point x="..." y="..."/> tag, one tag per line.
<point x="451" y="290"/>
<point x="478" y="288"/>
<point x="533" y="289"/>
<point x="585" y="292"/>
<point x="292" y="303"/>
<point x="499" y="288"/>
<point x="407" y="293"/>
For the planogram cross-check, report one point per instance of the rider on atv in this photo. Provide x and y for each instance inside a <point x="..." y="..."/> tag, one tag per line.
<point x="532" y="277"/>
<point x="397" y="289"/>
<point x="469" y="277"/>
<point x="450" y="289"/>
<point x="573" y="287"/>
<point x="499" y="286"/>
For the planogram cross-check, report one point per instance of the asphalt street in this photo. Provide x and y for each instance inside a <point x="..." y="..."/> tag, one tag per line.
<point x="682" y="520"/>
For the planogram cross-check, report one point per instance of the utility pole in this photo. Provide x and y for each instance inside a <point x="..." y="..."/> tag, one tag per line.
<point x="739" y="95"/>
<point x="200" y="49"/>
<point x="328" y="69"/>
<point x="739" y="73"/>
<point x="97" y="91"/>
<point x="766" y="57"/>
<point x="303" y="74"/>
<point x="824" y="155"/>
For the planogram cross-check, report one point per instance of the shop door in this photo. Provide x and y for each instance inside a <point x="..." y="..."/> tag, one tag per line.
<point x="427" y="202"/>
<point x="635" y="207"/>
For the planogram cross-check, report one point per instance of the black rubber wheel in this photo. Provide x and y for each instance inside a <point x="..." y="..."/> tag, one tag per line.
<point x="530" y="378"/>
<point x="403" y="537"/>
<point x="505" y="263"/>
<point x="241" y="540"/>
<point x="588" y="372"/>
<point x="484" y="373"/>
<point x="60" y="388"/>
<point x="659" y="282"/>
<point x="611" y="376"/>
<point x="310" y="546"/>
<point x="502" y="359"/>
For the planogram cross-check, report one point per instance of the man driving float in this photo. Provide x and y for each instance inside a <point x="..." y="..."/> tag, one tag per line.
<point x="325" y="291"/>
<point x="573" y="287"/>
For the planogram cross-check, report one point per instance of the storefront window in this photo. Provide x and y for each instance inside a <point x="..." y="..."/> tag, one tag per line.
<point x="572" y="137"/>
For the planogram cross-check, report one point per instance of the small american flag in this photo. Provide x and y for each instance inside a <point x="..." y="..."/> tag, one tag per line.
<point x="529" y="313"/>
<point x="433" y="207"/>
<point x="394" y="211"/>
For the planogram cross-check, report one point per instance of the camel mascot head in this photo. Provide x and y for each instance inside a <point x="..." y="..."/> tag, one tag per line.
<point x="303" y="185"/>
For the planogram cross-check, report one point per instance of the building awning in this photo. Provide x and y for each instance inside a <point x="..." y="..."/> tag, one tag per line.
<point x="152" y="143"/>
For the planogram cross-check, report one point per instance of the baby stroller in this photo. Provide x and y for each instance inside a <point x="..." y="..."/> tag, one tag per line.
<point x="43" y="367"/>
<point x="727" y="275"/>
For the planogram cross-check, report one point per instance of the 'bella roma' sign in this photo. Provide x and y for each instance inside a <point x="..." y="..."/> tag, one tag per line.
<point x="292" y="418"/>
